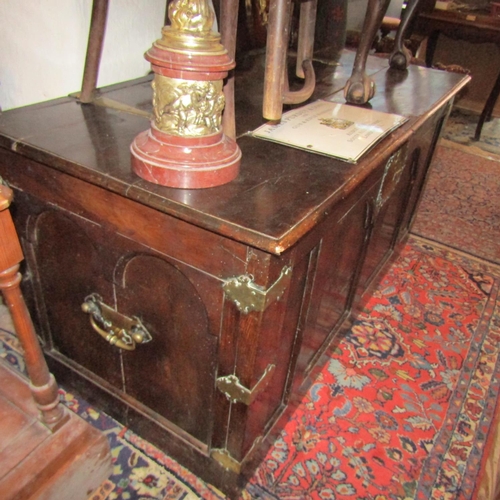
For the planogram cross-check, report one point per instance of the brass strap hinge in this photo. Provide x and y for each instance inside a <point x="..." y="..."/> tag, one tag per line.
<point x="236" y="392"/>
<point x="249" y="296"/>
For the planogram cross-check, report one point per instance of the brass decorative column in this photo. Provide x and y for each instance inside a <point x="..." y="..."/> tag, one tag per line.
<point x="185" y="146"/>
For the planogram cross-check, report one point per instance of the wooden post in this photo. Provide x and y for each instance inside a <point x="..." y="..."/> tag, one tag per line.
<point x="42" y="383"/>
<point x="229" y="26"/>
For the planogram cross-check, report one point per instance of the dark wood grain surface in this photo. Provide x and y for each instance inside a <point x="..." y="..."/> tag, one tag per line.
<point x="280" y="193"/>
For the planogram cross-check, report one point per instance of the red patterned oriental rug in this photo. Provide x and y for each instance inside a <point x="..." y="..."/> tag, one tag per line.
<point x="461" y="203"/>
<point x="402" y="410"/>
<point x="404" y="406"/>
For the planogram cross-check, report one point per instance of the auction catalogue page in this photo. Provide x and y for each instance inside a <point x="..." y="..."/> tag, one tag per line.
<point x="340" y="130"/>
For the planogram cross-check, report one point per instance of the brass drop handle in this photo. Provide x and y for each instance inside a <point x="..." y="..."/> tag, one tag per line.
<point x="119" y="330"/>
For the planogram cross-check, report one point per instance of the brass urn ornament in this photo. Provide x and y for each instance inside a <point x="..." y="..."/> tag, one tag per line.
<point x="185" y="146"/>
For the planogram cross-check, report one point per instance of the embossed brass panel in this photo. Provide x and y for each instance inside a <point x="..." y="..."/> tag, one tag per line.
<point x="187" y="108"/>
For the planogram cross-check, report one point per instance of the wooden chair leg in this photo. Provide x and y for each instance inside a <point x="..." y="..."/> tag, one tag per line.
<point x="360" y="88"/>
<point x="94" y="50"/>
<point x="488" y="108"/>
<point x="401" y="56"/>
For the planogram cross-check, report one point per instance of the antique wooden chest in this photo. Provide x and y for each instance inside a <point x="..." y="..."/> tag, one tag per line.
<point x="198" y="317"/>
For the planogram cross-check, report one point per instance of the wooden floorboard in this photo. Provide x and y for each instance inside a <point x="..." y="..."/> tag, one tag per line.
<point x="35" y="462"/>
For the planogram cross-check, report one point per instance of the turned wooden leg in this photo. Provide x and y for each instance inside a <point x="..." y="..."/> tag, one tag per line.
<point x="42" y="383"/>
<point x="360" y="88"/>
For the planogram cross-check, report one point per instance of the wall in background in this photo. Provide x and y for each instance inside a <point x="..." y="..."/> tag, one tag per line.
<point x="356" y="12"/>
<point x="43" y="45"/>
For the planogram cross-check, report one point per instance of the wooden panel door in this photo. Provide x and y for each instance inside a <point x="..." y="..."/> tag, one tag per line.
<point x="333" y="273"/>
<point x="174" y="373"/>
<point x="68" y="266"/>
<point x="387" y="213"/>
<point x="172" y="377"/>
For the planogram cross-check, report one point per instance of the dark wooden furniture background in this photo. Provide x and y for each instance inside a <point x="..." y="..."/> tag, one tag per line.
<point x="46" y="451"/>
<point x="474" y="28"/>
<point x="307" y="233"/>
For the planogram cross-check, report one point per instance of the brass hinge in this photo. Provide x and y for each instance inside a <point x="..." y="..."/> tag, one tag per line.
<point x="249" y="296"/>
<point x="236" y="392"/>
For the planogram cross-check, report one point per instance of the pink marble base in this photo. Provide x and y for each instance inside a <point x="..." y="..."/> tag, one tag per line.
<point x="185" y="162"/>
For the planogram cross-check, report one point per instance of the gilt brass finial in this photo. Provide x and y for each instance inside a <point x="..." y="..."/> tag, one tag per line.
<point x="194" y="15"/>
<point x="191" y="28"/>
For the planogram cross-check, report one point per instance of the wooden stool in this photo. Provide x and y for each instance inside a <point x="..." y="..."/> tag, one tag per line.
<point x="389" y="24"/>
<point x="46" y="451"/>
